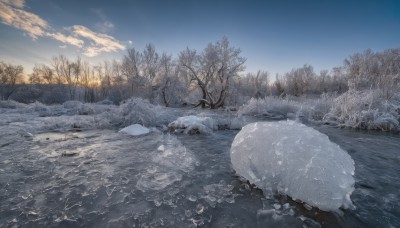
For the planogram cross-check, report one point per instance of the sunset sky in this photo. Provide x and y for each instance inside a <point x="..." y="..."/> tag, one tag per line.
<point x="275" y="36"/>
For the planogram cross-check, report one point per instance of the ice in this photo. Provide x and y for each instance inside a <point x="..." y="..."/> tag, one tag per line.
<point x="174" y="155"/>
<point x="218" y="193"/>
<point x="135" y="130"/>
<point x="169" y="163"/>
<point x="295" y="160"/>
<point x="193" y="124"/>
<point x="157" y="180"/>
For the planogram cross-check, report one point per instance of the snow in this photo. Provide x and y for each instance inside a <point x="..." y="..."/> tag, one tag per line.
<point x="193" y="124"/>
<point x="295" y="160"/>
<point x="135" y="130"/>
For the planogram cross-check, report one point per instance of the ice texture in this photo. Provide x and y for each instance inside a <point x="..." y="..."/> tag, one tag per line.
<point x="168" y="166"/>
<point x="135" y="130"/>
<point x="296" y="160"/>
<point x="193" y="124"/>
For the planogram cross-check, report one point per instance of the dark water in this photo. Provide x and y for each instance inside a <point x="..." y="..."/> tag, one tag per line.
<point x="105" y="179"/>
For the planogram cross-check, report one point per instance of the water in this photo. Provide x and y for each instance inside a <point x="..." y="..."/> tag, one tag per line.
<point x="101" y="178"/>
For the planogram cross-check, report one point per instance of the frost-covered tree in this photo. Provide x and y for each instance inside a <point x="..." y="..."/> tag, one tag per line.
<point x="298" y="81"/>
<point x="213" y="70"/>
<point x="131" y="69"/>
<point x="374" y="70"/>
<point x="168" y="87"/>
<point x="150" y="64"/>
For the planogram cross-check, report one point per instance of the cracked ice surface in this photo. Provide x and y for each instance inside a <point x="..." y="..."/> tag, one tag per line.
<point x="295" y="160"/>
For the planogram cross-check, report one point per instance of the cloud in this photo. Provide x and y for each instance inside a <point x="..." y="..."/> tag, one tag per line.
<point x="130" y="42"/>
<point x="104" y="26"/>
<point x="15" y="3"/>
<point x="12" y="13"/>
<point x="101" y="42"/>
<point x="62" y="46"/>
<point x="66" y="39"/>
<point x="30" y="23"/>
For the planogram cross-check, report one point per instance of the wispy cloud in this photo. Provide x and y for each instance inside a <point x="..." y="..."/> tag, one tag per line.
<point x="101" y="42"/>
<point x="12" y="13"/>
<point x="66" y="39"/>
<point x="15" y="3"/>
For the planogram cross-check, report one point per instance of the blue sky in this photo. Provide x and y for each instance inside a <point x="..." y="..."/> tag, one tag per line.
<point x="275" y="36"/>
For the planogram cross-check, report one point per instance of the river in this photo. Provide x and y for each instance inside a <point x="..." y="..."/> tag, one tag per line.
<point x="101" y="178"/>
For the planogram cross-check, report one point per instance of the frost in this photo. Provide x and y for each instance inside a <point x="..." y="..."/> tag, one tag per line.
<point x="365" y="110"/>
<point x="135" y="130"/>
<point x="295" y="160"/>
<point x="269" y="107"/>
<point x="193" y="124"/>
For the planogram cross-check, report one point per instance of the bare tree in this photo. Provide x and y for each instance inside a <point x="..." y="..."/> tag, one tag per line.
<point x="213" y="70"/>
<point x="88" y="82"/>
<point x="67" y="72"/>
<point x="10" y="76"/>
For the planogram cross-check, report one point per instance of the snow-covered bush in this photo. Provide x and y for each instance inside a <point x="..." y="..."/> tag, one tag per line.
<point x="41" y="109"/>
<point x="11" y="104"/>
<point x="365" y="110"/>
<point x="270" y="106"/>
<point x="79" y="108"/>
<point x="132" y="111"/>
<point x="315" y="109"/>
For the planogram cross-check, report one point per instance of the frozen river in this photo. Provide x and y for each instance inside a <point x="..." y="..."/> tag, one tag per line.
<point x="102" y="178"/>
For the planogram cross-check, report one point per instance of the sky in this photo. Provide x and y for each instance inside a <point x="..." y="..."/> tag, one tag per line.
<point x="274" y="36"/>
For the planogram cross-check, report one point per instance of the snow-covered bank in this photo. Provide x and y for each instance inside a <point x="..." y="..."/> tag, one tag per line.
<point x="294" y="160"/>
<point x="73" y="115"/>
<point x="193" y="124"/>
<point x="370" y="109"/>
<point x="366" y="110"/>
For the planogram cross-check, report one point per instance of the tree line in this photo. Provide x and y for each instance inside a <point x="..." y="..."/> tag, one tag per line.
<point x="213" y="77"/>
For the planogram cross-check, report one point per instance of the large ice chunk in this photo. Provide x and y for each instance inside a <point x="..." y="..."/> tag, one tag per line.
<point x="193" y="124"/>
<point x="135" y="130"/>
<point x="295" y="160"/>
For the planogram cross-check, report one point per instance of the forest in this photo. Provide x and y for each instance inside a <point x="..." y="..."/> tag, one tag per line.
<point x="362" y="93"/>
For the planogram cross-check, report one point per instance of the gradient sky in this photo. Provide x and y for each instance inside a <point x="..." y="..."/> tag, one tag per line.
<point x="275" y="36"/>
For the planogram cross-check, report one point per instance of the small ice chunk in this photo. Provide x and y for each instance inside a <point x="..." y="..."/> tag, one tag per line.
<point x="135" y="130"/>
<point x="192" y="198"/>
<point x="317" y="171"/>
<point x="277" y="206"/>
<point x="193" y="124"/>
